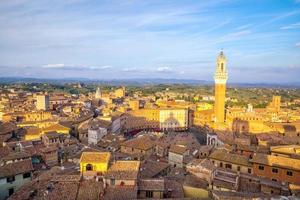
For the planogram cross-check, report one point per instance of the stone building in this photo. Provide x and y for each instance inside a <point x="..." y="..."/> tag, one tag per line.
<point x="177" y="154"/>
<point x="276" y="168"/>
<point x="122" y="173"/>
<point x="94" y="163"/>
<point x="140" y="147"/>
<point x="42" y="102"/>
<point x="152" y="188"/>
<point x="13" y="176"/>
<point x="231" y="161"/>
<point x="95" y="134"/>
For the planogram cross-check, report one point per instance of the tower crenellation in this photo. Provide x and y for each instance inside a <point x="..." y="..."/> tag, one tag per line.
<point x="221" y="74"/>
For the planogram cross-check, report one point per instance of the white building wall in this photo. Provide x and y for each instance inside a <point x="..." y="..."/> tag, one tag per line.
<point x="95" y="135"/>
<point x="175" y="159"/>
<point x="116" y="125"/>
<point x="173" y="118"/>
<point x="4" y="186"/>
<point x="213" y="140"/>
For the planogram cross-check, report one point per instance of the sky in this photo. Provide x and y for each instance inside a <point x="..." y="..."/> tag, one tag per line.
<point x="172" y="39"/>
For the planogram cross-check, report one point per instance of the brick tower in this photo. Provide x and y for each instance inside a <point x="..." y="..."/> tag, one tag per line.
<point x="220" y="77"/>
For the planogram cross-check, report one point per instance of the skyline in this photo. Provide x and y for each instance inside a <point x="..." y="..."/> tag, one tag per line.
<point x="150" y="39"/>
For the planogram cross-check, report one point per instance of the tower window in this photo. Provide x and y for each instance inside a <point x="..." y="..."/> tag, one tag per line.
<point x="228" y="166"/>
<point x="222" y="66"/>
<point x="10" y="179"/>
<point x="149" y="194"/>
<point x="289" y="173"/>
<point x="89" y="167"/>
<point x="261" y="167"/>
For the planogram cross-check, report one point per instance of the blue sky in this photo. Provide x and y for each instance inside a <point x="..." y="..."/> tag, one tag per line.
<point x="114" y="39"/>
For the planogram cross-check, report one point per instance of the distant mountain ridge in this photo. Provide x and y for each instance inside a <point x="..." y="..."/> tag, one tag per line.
<point x="140" y="81"/>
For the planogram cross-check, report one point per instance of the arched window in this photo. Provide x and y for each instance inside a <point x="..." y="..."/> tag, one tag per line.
<point x="89" y="167"/>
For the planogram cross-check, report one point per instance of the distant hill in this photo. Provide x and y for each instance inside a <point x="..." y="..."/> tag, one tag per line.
<point x="141" y="82"/>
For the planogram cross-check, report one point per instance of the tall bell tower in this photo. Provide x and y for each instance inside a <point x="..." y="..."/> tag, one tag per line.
<point x="220" y="77"/>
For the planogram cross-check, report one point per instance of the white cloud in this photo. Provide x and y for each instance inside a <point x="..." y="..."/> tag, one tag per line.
<point x="281" y="16"/>
<point x="291" y="26"/>
<point x="235" y="36"/>
<point x="243" y="27"/>
<point x="164" y="69"/>
<point x="148" y="70"/>
<point x="76" y="67"/>
<point x="100" y="67"/>
<point x="106" y="67"/>
<point x="130" y="69"/>
<point x="54" y="66"/>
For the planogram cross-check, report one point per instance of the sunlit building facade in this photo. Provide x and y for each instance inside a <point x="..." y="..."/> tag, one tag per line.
<point x="42" y="102"/>
<point x="220" y="77"/>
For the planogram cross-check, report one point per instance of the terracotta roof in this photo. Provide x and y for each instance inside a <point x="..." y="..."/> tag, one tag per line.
<point x="15" y="168"/>
<point x="56" y="127"/>
<point x="66" y="123"/>
<point x="120" y="193"/>
<point x="149" y="169"/>
<point x="175" y="188"/>
<point x="65" y="178"/>
<point x="7" y="127"/>
<point x="16" y="155"/>
<point x="152" y="184"/>
<point x="95" y="157"/>
<point x="178" y="149"/>
<point x="48" y="149"/>
<point x="52" y="134"/>
<point x="90" y="190"/>
<point x="222" y="155"/>
<point x="286" y="149"/>
<point x="270" y="183"/>
<point x="202" y="165"/>
<point x="41" y="184"/>
<point x="144" y="143"/>
<point x="124" y="170"/>
<point x="104" y="123"/>
<point x="4" y="151"/>
<point x="218" y="194"/>
<point x="32" y="150"/>
<point x="184" y="139"/>
<point x="250" y="148"/>
<point x="194" y="181"/>
<point x="63" y="190"/>
<point x="224" y="184"/>
<point x="96" y="123"/>
<point x="33" y="130"/>
<point x="276" y="161"/>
